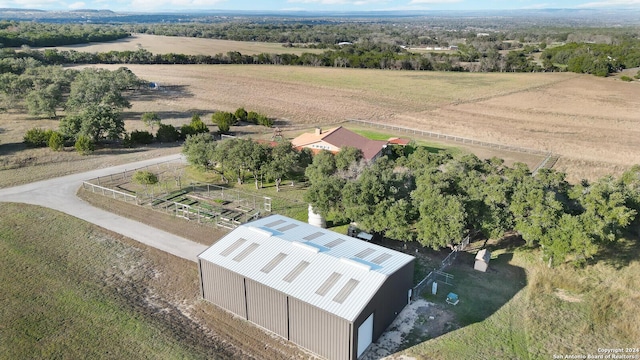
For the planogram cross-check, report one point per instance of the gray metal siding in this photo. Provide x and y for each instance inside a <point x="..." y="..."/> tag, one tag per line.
<point x="223" y="288"/>
<point x="386" y="304"/>
<point x="319" y="331"/>
<point x="267" y="308"/>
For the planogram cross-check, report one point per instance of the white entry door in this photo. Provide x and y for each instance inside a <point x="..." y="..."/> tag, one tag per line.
<point x="365" y="335"/>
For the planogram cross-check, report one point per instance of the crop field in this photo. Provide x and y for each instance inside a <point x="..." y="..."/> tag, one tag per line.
<point x="590" y="122"/>
<point x="157" y="44"/>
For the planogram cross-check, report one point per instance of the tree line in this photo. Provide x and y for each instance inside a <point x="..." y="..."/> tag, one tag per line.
<point x="437" y="199"/>
<point x="17" y="34"/>
<point x="235" y="158"/>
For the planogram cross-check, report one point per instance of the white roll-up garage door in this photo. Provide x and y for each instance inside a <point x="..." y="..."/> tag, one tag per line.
<point x="365" y="335"/>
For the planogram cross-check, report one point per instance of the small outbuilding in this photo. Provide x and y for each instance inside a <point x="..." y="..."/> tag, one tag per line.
<point x="327" y="292"/>
<point x="482" y="260"/>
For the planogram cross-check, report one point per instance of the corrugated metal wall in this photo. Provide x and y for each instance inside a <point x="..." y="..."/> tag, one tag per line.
<point x="319" y="331"/>
<point x="267" y="308"/>
<point x="223" y="288"/>
<point x="390" y="299"/>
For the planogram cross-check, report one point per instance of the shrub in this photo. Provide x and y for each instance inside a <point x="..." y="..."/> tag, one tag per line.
<point x="224" y="120"/>
<point x="167" y="133"/>
<point x="141" y="137"/>
<point x="56" y="141"/>
<point x="625" y="78"/>
<point x="84" y="145"/>
<point x="241" y="114"/>
<point x="145" y="177"/>
<point x="186" y="130"/>
<point x="199" y="126"/>
<point x="259" y="119"/>
<point x="37" y="137"/>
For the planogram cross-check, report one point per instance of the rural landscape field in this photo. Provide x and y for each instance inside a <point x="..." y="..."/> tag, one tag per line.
<point x="78" y="290"/>
<point x="590" y="122"/>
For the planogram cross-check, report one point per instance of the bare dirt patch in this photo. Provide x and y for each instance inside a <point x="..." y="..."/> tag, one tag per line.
<point x="418" y="322"/>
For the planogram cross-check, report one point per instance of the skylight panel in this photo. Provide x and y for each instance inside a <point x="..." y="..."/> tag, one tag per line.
<point x="313" y="236"/>
<point x="328" y="284"/>
<point x="381" y="258"/>
<point x="231" y="248"/>
<point x="293" y="274"/>
<point x="335" y="243"/>
<point x="244" y="253"/>
<point x="346" y="290"/>
<point x="273" y="263"/>
<point x="287" y="227"/>
<point x="364" y="253"/>
<point x="275" y="223"/>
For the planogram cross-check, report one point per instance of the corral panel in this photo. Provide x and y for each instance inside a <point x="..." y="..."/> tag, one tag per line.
<point x="223" y="288"/>
<point x="267" y="308"/>
<point x="318" y="331"/>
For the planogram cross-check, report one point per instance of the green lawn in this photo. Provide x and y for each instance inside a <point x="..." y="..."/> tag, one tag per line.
<point x="68" y="292"/>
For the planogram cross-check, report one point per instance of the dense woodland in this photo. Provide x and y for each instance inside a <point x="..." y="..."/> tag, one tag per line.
<point x="17" y="34"/>
<point x="436" y="198"/>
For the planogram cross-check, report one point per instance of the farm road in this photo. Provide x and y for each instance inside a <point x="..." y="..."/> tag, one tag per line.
<point x="60" y="194"/>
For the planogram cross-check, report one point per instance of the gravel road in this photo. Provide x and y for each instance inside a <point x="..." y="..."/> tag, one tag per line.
<point x="60" y="194"/>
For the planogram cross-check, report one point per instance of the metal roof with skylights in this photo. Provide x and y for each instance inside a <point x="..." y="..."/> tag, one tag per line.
<point x="331" y="271"/>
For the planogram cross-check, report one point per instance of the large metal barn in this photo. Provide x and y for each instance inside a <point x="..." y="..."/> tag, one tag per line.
<point x="329" y="293"/>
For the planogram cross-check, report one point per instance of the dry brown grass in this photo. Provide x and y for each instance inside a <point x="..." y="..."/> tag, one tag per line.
<point x="157" y="44"/>
<point x="591" y="122"/>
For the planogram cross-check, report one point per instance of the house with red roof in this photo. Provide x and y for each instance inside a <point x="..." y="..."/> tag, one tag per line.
<point x="334" y="139"/>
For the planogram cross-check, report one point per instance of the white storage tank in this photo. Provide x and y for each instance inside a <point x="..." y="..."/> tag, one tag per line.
<point x="316" y="219"/>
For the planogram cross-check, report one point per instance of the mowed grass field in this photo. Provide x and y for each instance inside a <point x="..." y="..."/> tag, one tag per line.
<point x="157" y="44"/>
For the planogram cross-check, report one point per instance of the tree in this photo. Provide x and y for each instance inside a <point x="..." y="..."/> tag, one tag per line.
<point x="325" y="195"/>
<point x="224" y="120"/>
<point x="44" y="100"/>
<point x="151" y="119"/>
<point x="442" y="218"/>
<point x="346" y="156"/>
<point x="378" y="200"/>
<point x="257" y="160"/>
<point x="56" y="141"/>
<point x="84" y="145"/>
<point x="323" y="165"/>
<point x="97" y="88"/>
<point x="96" y="122"/>
<point x="199" y="150"/>
<point x="282" y="162"/>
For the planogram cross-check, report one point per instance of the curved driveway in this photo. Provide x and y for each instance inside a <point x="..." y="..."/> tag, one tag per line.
<point x="60" y="194"/>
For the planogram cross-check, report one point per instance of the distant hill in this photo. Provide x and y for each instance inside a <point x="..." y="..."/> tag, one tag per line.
<point x="567" y="17"/>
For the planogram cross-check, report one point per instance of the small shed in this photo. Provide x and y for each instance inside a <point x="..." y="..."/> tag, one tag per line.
<point x="482" y="260"/>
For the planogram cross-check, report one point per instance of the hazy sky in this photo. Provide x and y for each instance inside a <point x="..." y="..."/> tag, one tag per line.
<point x="313" y="5"/>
